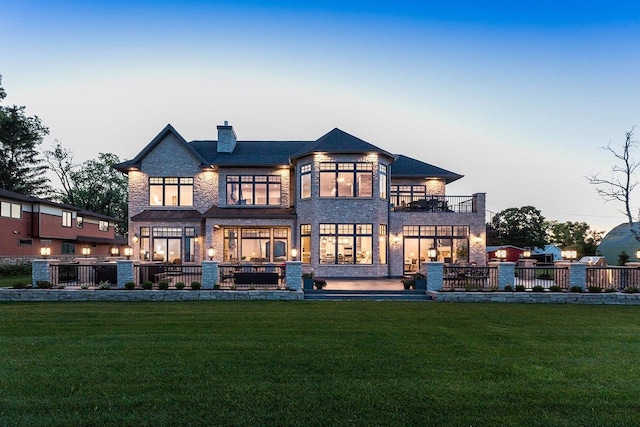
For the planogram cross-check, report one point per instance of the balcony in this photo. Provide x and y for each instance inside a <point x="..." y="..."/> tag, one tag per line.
<point x="456" y="204"/>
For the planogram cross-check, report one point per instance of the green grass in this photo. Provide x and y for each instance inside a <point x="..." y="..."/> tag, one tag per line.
<point x="9" y="281"/>
<point x="318" y="364"/>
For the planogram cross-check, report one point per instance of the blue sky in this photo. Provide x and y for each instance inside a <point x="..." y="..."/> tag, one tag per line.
<point x="517" y="96"/>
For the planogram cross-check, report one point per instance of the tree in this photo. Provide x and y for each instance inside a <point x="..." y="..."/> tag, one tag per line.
<point x="21" y="168"/>
<point x="520" y="227"/>
<point x="619" y="186"/>
<point x="93" y="185"/>
<point x="575" y="235"/>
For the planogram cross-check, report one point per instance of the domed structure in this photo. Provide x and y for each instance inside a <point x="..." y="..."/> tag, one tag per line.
<point x="617" y="240"/>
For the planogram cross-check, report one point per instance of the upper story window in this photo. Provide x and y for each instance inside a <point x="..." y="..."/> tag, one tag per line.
<point x="401" y="195"/>
<point x="346" y="179"/>
<point x="262" y="190"/>
<point x="103" y="226"/>
<point x="305" y="181"/>
<point x="79" y="222"/>
<point x="383" y="181"/>
<point x="10" y="210"/>
<point x="66" y="219"/>
<point x="171" y="191"/>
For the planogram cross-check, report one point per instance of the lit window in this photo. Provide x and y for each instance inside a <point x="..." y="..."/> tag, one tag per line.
<point x="10" y="210"/>
<point x="170" y="191"/>
<point x="66" y="219"/>
<point x="346" y="179"/>
<point x="305" y="181"/>
<point x="103" y="226"/>
<point x="252" y="190"/>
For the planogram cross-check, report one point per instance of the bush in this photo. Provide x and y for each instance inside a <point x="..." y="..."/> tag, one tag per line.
<point x="15" y="270"/>
<point x="104" y="285"/>
<point x="555" y="288"/>
<point x="43" y="284"/>
<point x="180" y="285"/>
<point x="631" y="290"/>
<point x="163" y="285"/>
<point x="22" y="285"/>
<point x="195" y="285"/>
<point x="610" y="290"/>
<point x="216" y="286"/>
<point x="508" y="288"/>
<point x="147" y="285"/>
<point x="538" y="288"/>
<point x="595" y="289"/>
<point x="520" y="288"/>
<point x="129" y="285"/>
<point x="319" y="283"/>
<point x="576" y="289"/>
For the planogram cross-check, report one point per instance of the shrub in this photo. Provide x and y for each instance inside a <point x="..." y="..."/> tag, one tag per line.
<point x="555" y="288"/>
<point x="520" y="288"/>
<point x="163" y="285"/>
<point x="59" y="286"/>
<point x="180" y="285"/>
<point x="610" y="290"/>
<point x="129" y="285"/>
<point x="538" y="288"/>
<point x="147" y="285"/>
<point x="216" y="286"/>
<point x="84" y="286"/>
<point x="22" y="285"/>
<point x="104" y="285"/>
<point x="631" y="290"/>
<point x="15" y="270"/>
<point x="195" y="285"/>
<point x="576" y="289"/>
<point x="319" y="283"/>
<point x="508" y="288"/>
<point x="43" y="284"/>
<point x="595" y="289"/>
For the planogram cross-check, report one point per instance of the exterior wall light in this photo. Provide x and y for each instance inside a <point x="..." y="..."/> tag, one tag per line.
<point x="501" y="254"/>
<point x="45" y="251"/>
<point x="86" y="251"/>
<point x="197" y="238"/>
<point x="396" y="239"/>
<point x="294" y="254"/>
<point x="211" y="252"/>
<point x="478" y="240"/>
<point x="432" y="253"/>
<point x="638" y="254"/>
<point x="128" y="251"/>
<point x="135" y="238"/>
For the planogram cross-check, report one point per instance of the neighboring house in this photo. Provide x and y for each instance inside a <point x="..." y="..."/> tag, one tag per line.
<point x="549" y="253"/>
<point x="29" y="223"/>
<point x="350" y="209"/>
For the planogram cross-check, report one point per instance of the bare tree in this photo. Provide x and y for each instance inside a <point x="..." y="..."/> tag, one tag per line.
<point x="622" y="182"/>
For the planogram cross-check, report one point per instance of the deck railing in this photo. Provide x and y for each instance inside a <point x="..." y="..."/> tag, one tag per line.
<point x="613" y="277"/>
<point x="457" y="204"/>
<point x="228" y="273"/>
<point x="469" y="277"/>
<point x="171" y="273"/>
<point x="541" y="276"/>
<point x="74" y="274"/>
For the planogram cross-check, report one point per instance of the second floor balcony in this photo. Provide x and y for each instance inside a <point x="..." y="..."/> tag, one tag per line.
<point x="456" y="204"/>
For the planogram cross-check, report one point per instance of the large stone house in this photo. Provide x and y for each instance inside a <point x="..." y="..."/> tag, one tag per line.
<point x="349" y="208"/>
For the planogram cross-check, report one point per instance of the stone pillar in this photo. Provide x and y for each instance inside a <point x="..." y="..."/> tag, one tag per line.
<point x="506" y="274"/>
<point x="125" y="272"/>
<point x="210" y="274"/>
<point x="293" y="275"/>
<point x="434" y="271"/>
<point x="577" y="275"/>
<point x="40" y="271"/>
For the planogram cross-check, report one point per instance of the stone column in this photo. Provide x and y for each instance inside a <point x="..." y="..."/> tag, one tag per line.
<point x="40" y="271"/>
<point x="293" y="275"/>
<point x="506" y="274"/>
<point x="434" y="272"/>
<point x="577" y="275"/>
<point x="125" y="272"/>
<point x="210" y="274"/>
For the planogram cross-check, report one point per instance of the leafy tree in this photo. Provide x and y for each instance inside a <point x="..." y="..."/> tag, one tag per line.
<point x="520" y="227"/>
<point x="21" y="168"/>
<point x="575" y="235"/>
<point x="93" y="185"/>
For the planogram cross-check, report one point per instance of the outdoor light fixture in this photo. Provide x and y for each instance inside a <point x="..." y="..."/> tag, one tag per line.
<point x="569" y="254"/>
<point x="128" y="251"/>
<point x="638" y="254"/>
<point x="115" y="251"/>
<point x="526" y="253"/>
<point x="135" y="238"/>
<point x="501" y="254"/>
<point x="197" y="238"/>
<point x="294" y="254"/>
<point x="86" y="251"/>
<point x="211" y="252"/>
<point x="396" y="239"/>
<point x="45" y="251"/>
<point x="432" y="253"/>
<point x="478" y="240"/>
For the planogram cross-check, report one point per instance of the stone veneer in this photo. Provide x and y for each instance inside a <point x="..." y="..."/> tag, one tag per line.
<point x="614" y="298"/>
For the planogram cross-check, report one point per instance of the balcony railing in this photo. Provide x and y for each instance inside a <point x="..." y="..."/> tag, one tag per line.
<point x="457" y="204"/>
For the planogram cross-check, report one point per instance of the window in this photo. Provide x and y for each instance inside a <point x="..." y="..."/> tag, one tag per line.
<point x="401" y="195"/>
<point x="305" y="181"/>
<point x="25" y="242"/>
<point x="171" y="191"/>
<point x="259" y="190"/>
<point x="103" y="226"/>
<point x="305" y="243"/>
<point x="382" y="247"/>
<point x="66" y="219"/>
<point x="167" y="244"/>
<point x="79" y="222"/>
<point x="10" y="210"/>
<point x="346" y="243"/>
<point x="256" y="244"/>
<point x="451" y="244"/>
<point x="346" y="179"/>
<point x="383" y="181"/>
<point x="68" y="248"/>
<point x="144" y="243"/>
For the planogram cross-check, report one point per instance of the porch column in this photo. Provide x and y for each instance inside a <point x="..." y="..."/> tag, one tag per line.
<point x="434" y="271"/>
<point x="293" y="275"/>
<point x="210" y="274"/>
<point x="577" y="275"/>
<point x="125" y="272"/>
<point x="41" y="271"/>
<point x="506" y="274"/>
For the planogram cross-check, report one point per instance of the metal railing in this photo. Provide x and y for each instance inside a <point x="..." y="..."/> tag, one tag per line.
<point x="613" y="277"/>
<point x="73" y="274"/>
<point x="542" y="276"/>
<point x="469" y="278"/>
<point x="458" y="204"/>
<point x="228" y="275"/>
<point x="171" y="273"/>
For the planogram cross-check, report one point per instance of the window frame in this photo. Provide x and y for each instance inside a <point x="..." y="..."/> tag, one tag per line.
<point x="334" y="233"/>
<point x="337" y="171"/>
<point x="181" y="184"/>
<point x="250" y="183"/>
<point x="67" y="219"/>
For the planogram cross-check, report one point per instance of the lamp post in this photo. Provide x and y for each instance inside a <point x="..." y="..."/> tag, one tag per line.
<point x="569" y="254"/>
<point x="45" y="251"/>
<point x="294" y="254"/>
<point x="432" y="253"/>
<point x="115" y="251"/>
<point x="128" y="251"/>
<point x="211" y="252"/>
<point x="526" y="253"/>
<point x="501" y="254"/>
<point x="86" y="251"/>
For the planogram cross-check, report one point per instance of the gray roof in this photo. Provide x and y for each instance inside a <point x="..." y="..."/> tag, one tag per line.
<point x="406" y="167"/>
<point x="249" y="153"/>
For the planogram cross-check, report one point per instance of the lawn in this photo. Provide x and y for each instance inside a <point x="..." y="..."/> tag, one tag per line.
<point x="318" y="364"/>
<point x="10" y="281"/>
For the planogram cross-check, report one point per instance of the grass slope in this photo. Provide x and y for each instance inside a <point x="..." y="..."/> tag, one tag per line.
<point x="317" y="364"/>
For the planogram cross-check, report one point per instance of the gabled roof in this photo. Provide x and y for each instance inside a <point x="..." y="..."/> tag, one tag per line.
<point x="339" y="141"/>
<point x="406" y="167"/>
<point x="249" y="153"/>
<point x="168" y="129"/>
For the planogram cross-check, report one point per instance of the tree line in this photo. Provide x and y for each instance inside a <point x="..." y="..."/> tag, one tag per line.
<point x="92" y="185"/>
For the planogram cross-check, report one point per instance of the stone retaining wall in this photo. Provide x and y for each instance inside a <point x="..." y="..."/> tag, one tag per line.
<point x="614" y="298"/>
<point x="18" y="295"/>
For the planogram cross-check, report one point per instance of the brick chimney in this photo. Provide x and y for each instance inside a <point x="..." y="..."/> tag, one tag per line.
<point x="226" y="138"/>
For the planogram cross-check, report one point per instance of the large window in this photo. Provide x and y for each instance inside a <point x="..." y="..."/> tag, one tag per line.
<point x="305" y="181"/>
<point x="383" y="181"/>
<point x="253" y="190"/>
<point x="10" y="210"/>
<point x="346" y="243"/>
<point x="66" y="219"/>
<point x="256" y="244"/>
<point x="451" y="244"/>
<point x="401" y="195"/>
<point x="167" y="244"/>
<point x="346" y="179"/>
<point x="171" y="191"/>
<point x="305" y="243"/>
